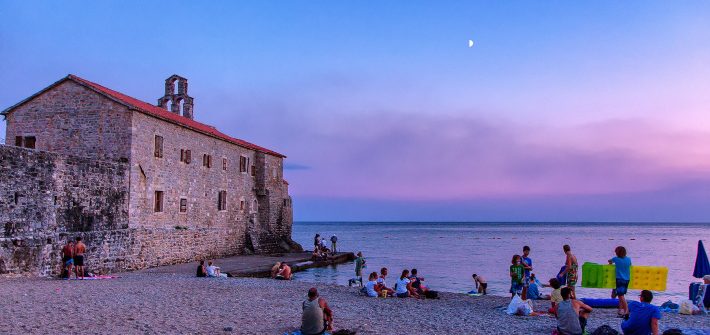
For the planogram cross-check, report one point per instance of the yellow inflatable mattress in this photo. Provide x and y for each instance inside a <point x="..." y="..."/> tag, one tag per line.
<point x="642" y="277"/>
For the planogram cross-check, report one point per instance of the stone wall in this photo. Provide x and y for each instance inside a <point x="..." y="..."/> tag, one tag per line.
<point x="73" y="120"/>
<point x="47" y="198"/>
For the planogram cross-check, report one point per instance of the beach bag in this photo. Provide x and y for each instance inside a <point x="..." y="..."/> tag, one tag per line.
<point x="605" y="330"/>
<point x="515" y="305"/>
<point x="431" y="294"/>
<point x="526" y="308"/>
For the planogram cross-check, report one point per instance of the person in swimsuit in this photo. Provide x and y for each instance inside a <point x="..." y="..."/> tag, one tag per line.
<point x="79" y="250"/>
<point x="571" y="270"/>
<point x="481" y="284"/>
<point x="67" y="259"/>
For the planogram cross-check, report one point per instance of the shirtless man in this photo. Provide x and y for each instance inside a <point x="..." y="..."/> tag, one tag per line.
<point x="284" y="272"/>
<point x="481" y="284"/>
<point x="79" y="250"/>
<point x="67" y="259"/>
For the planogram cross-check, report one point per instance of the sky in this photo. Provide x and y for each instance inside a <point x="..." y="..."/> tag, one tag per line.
<point x="561" y="111"/>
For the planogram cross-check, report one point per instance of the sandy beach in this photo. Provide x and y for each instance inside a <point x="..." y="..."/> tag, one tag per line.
<point x="167" y="303"/>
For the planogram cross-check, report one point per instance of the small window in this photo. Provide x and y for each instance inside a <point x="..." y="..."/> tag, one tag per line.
<point x="253" y="170"/>
<point x="158" y="201"/>
<point x="30" y="142"/>
<point x="18" y="141"/>
<point x="183" y="205"/>
<point x="222" y="201"/>
<point x="207" y="160"/>
<point x="188" y="156"/>
<point x="242" y="164"/>
<point x="158" y="146"/>
<point x="224" y="164"/>
<point x="242" y="204"/>
<point x="182" y="155"/>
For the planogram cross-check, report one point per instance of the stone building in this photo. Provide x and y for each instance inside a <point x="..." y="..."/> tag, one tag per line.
<point x="144" y="185"/>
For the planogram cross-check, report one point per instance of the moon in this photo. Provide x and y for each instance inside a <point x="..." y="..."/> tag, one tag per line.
<point x="470" y="43"/>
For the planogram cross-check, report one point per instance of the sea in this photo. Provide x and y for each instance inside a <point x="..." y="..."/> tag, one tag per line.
<point x="446" y="254"/>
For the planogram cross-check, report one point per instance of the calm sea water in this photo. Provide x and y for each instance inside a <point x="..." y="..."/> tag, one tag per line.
<point x="446" y="254"/>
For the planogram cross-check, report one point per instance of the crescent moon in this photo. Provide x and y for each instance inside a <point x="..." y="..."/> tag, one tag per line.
<point x="470" y="43"/>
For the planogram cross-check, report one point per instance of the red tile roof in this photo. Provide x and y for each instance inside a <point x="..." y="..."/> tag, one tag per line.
<point x="165" y="115"/>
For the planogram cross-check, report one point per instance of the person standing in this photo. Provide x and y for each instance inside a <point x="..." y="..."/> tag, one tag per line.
<point x="79" y="250"/>
<point x="622" y="265"/>
<point x="67" y="259"/>
<point x="333" y="242"/>
<point x="643" y="317"/>
<point x="527" y="266"/>
<point x="571" y="268"/>
<point x="516" y="276"/>
<point x="317" y="317"/>
<point x="316" y="241"/>
<point x="359" y="265"/>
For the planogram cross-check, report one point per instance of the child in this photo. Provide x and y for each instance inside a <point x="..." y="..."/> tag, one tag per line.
<point x="623" y="276"/>
<point x="481" y="284"/>
<point x="517" y="272"/>
<point x="556" y="295"/>
<point x="371" y="284"/>
<point x="527" y="265"/>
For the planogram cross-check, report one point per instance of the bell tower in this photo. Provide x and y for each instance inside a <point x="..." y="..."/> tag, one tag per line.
<point x="176" y="99"/>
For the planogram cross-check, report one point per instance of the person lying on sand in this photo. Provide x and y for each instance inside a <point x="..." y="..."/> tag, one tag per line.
<point x="214" y="271"/>
<point x="284" y="272"/>
<point x="481" y="284"/>
<point x="317" y="317"/>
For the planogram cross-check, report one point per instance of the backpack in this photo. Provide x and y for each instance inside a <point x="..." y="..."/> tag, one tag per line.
<point x="605" y="330"/>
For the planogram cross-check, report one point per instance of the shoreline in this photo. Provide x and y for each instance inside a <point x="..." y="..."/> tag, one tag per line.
<point x="178" y="303"/>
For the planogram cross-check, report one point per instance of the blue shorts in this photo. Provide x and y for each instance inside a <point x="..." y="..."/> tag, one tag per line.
<point x="621" y="286"/>
<point x="526" y="281"/>
<point x="516" y="288"/>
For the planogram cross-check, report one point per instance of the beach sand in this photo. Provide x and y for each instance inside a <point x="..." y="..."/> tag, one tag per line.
<point x="165" y="303"/>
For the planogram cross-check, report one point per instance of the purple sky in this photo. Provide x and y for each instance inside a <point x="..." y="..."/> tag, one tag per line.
<point x="561" y="111"/>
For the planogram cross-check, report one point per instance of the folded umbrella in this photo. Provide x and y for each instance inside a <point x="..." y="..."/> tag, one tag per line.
<point x="702" y="265"/>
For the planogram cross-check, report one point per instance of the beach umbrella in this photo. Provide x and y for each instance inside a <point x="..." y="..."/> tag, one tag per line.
<point x="702" y="266"/>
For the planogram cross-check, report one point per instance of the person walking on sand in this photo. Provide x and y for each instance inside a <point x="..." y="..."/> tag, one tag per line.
<point x="481" y="284"/>
<point x="333" y="244"/>
<point x="79" y="250"/>
<point x="317" y="317"/>
<point x="622" y="265"/>
<point x="516" y="276"/>
<point x="67" y="259"/>
<point x="527" y="265"/>
<point x="571" y="268"/>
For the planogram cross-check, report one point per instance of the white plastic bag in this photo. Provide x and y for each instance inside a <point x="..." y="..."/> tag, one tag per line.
<point x="518" y="306"/>
<point x="687" y="307"/>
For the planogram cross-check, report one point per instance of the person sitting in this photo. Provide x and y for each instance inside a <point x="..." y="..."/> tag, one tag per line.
<point x="583" y="310"/>
<point x="275" y="269"/>
<point x="284" y="272"/>
<point x="403" y="288"/>
<point x="214" y="271"/>
<point x="643" y="317"/>
<point x="534" y="289"/>
<point x="556" y="295"/>
<point x="369" y="288"/>
<point x="481" y="284"/>
<point x="201" y="270"/>
<point x="568" y="319"/>
<point x="317" y="317"/>
<point x="382" y="287"/>
<point x="417" y="284"/>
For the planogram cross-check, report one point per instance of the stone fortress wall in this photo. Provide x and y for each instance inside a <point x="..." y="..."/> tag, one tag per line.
<point x="94" y="173"/>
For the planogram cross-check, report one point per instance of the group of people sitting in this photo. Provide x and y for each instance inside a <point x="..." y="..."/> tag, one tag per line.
<point x="210" y="270"/>
<point x="281" y="271"/>
<point x="408" y="285"/>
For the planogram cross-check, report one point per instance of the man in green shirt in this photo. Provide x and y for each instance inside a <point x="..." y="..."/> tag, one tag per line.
<point x="359" y="264"/>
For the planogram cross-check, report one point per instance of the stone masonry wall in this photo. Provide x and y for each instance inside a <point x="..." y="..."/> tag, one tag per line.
<point x="73" y="120"/>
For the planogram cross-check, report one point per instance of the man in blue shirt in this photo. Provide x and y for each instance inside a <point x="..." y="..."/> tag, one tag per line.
<point x="643" y="317"/>
<point x="623" y="276"/>
<point x="527" y="265"/>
